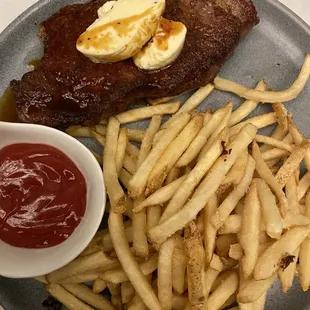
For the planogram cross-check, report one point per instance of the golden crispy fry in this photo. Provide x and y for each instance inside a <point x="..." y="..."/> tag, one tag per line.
<point x="195" y="266"/>
<point x="115" y="192"/>
<point x="268" y="96"/>
<point x="153" y="214"/>
<point x="249" y="234"/>
<point x="172" y="154"/>
<point x="276" y="255"/>
<point x="179" y="265"/>
<point x="99" y="286"/>
<point x="200" y="140"/>
<point x="232" y="225"/>
<point x="85" y="294"/>
<point x="275" y="143"/>
<point x="278" y="134"/>
<point x="270" y="212"/>
<point x="194" y="101"/>
<point x="281" y="115"/>
<point x="121" y="149"/>
<point x="160" y="100"/>
<point x="81" y="265"/>
<point x="192" y="180"/>
<point x="265" y="173"/>
<point x="148" y="139"/>
<point x="246" y="107"/>
<point x="303" y="186"/>
<point x="66" y="298"/>
<point x="135" y="135"/>
<point x="127" y="292"/>
<point x="236" y="172"/>
<point x="234" y="197"/>
<point x="129" y="263"/>
<point x="222" y="293"/>
<point x="139" y="180"/>
<point x="215" y="267"/>
<point x="206" y="189"/>
<point x="173" y="174"/>
<point x="158" y="136"/>
<point x="147" y="112"/>
<point x="292" y="163"/>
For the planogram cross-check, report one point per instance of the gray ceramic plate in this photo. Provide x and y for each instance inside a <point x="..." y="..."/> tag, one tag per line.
<point x="274" y="50"/>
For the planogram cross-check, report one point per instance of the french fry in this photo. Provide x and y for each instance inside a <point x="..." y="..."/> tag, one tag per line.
<point x="85" y="294"/>
<point x="270" y="212"/>
<point x="253" y="290"/>
<point x="225" y="290"/>
<point x="303" y="186"/>
<point x="41" y="279"/>
<point x="107" y="240"/>
<point x="173" y="174"/>
<point x="139" y="180"/>
<point x="66" y="298"/>
<point x="235" y="251"/>
<point x="84" y="277"/>
<point x="200" y="95"/>
<point x="153" y="214"/>
<point x="265" y="173"/>
<point x="232" y="225"/>
<point x="223" y="243"/>
<point x="209" y="230"/>
<point x="259" y="304"/>
<point x="193" y="178"/>
<point x="276" y="255"/>
<point x="292" y="163"/>
<point x="214" y="269"/>
<point x="127" y="292"/>
<point x="99" y="286"/>
<point x="162" y="195"/>
<point x="246" y="107"/>
<point x="136" y="303"/>
<point x="131" y="267"/>
<point x="200" y="140"/>
<point x="115" y="192"/>
<point x="236" y="172"/>
<point x="259" y="122"/>
<point x="222" y="276"/>
<point x="195" y="265"/>
<point x="115" y="291"/>
<point x="179" y="302"/>
<point x="160" y="100"/>
<point x="81" y="265"/>
<point x="132" y="150"/>
<point x="249" y="234"/>
<point x="172" y="153"/>
<point x="148" y="138"/>
<point x="158" y="136"/>
<point x="295" y="219"/>
<point x="79" y="131"/>
<point x="125" y="177"/>
<point x="147" y="112"/>
<point x="121" y="150"/>
<point x="234" y="197"/>
<point x="277" y="134"/>
<point x="135" y="135"/>
<point x="273" y="142"/>
<point x="179" y="265"/>
<point x="304" y="262"/>
<point x="129" y="164"/>
<point x="281" y="115"/>
<point x="164" y="273"/>
<point x="268" y="96"/>
<point x="206" y="189"/>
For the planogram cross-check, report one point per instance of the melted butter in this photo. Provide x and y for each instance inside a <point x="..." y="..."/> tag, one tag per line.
<point x="92" y="38"/>
<point x="168" y="28"/>
<point x="8" y="107"/>
<point x="35" y="63"/>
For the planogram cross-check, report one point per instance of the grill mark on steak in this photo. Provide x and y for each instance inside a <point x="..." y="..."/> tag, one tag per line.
<point x="70" y="89"/>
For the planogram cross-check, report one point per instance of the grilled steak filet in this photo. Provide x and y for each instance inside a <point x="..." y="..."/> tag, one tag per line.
<point x="68" y="88"/>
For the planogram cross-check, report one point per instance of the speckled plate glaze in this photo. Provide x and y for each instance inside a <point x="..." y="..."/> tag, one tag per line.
<point x="274" y="50"/>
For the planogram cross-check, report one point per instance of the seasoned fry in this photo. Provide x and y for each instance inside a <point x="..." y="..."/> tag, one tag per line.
<point x="292" y="163"/>
<point x="246" y="107"/>
<point x="162" y="195"/>
<point x="281" y="115"/>
<point x="209" y="231"/>
<point x="200" y="140"/>
<point x="274" y="143"/>
<point x="192" y="180"/>
<point x="115" y="192"/>
<point x="249" y="234"/>
<point x="131" y="267"/>
<point x="200" y="95"/>
<point x="147" y="112"/>
<point x="259" y="122"/>
<point x="135" y="135"/>
<point x="164" y="273"/>
<point x="121" y="149"/>
<point x="236" y="172"/>
<point x="83" y="264"/>
<point x="138" y="182"/>
<point x="99" y="286"/>
<point x="265" y="173"/>
<point x="173" y="153"/>
<point x="85" y="294"/>
<point x="234" y="197"/>
<point x="222" y="293"/>
<point x="206" y="189"/>
<point x="153" y="214"/>
<point x="127" y="292"/>
<point x="270" y="261"/>
<point x="270" y="211"/>
<point x="66" y="298"/>
<point x="268" y="96"/>
<point x="195" y="266"/>
<point x="148" y="138"/>
<point x="179" y="265"/>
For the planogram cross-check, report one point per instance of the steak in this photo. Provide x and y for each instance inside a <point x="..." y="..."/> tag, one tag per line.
<point x="67" y="88"/>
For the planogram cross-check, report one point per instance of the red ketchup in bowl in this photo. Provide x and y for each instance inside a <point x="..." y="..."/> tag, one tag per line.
<point x="42" y="196"/>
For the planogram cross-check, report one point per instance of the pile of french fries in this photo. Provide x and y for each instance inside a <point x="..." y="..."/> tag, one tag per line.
<point x="205" y="214"/>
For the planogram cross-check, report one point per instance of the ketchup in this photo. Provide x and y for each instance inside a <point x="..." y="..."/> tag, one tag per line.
<point x="42" y="196"/>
